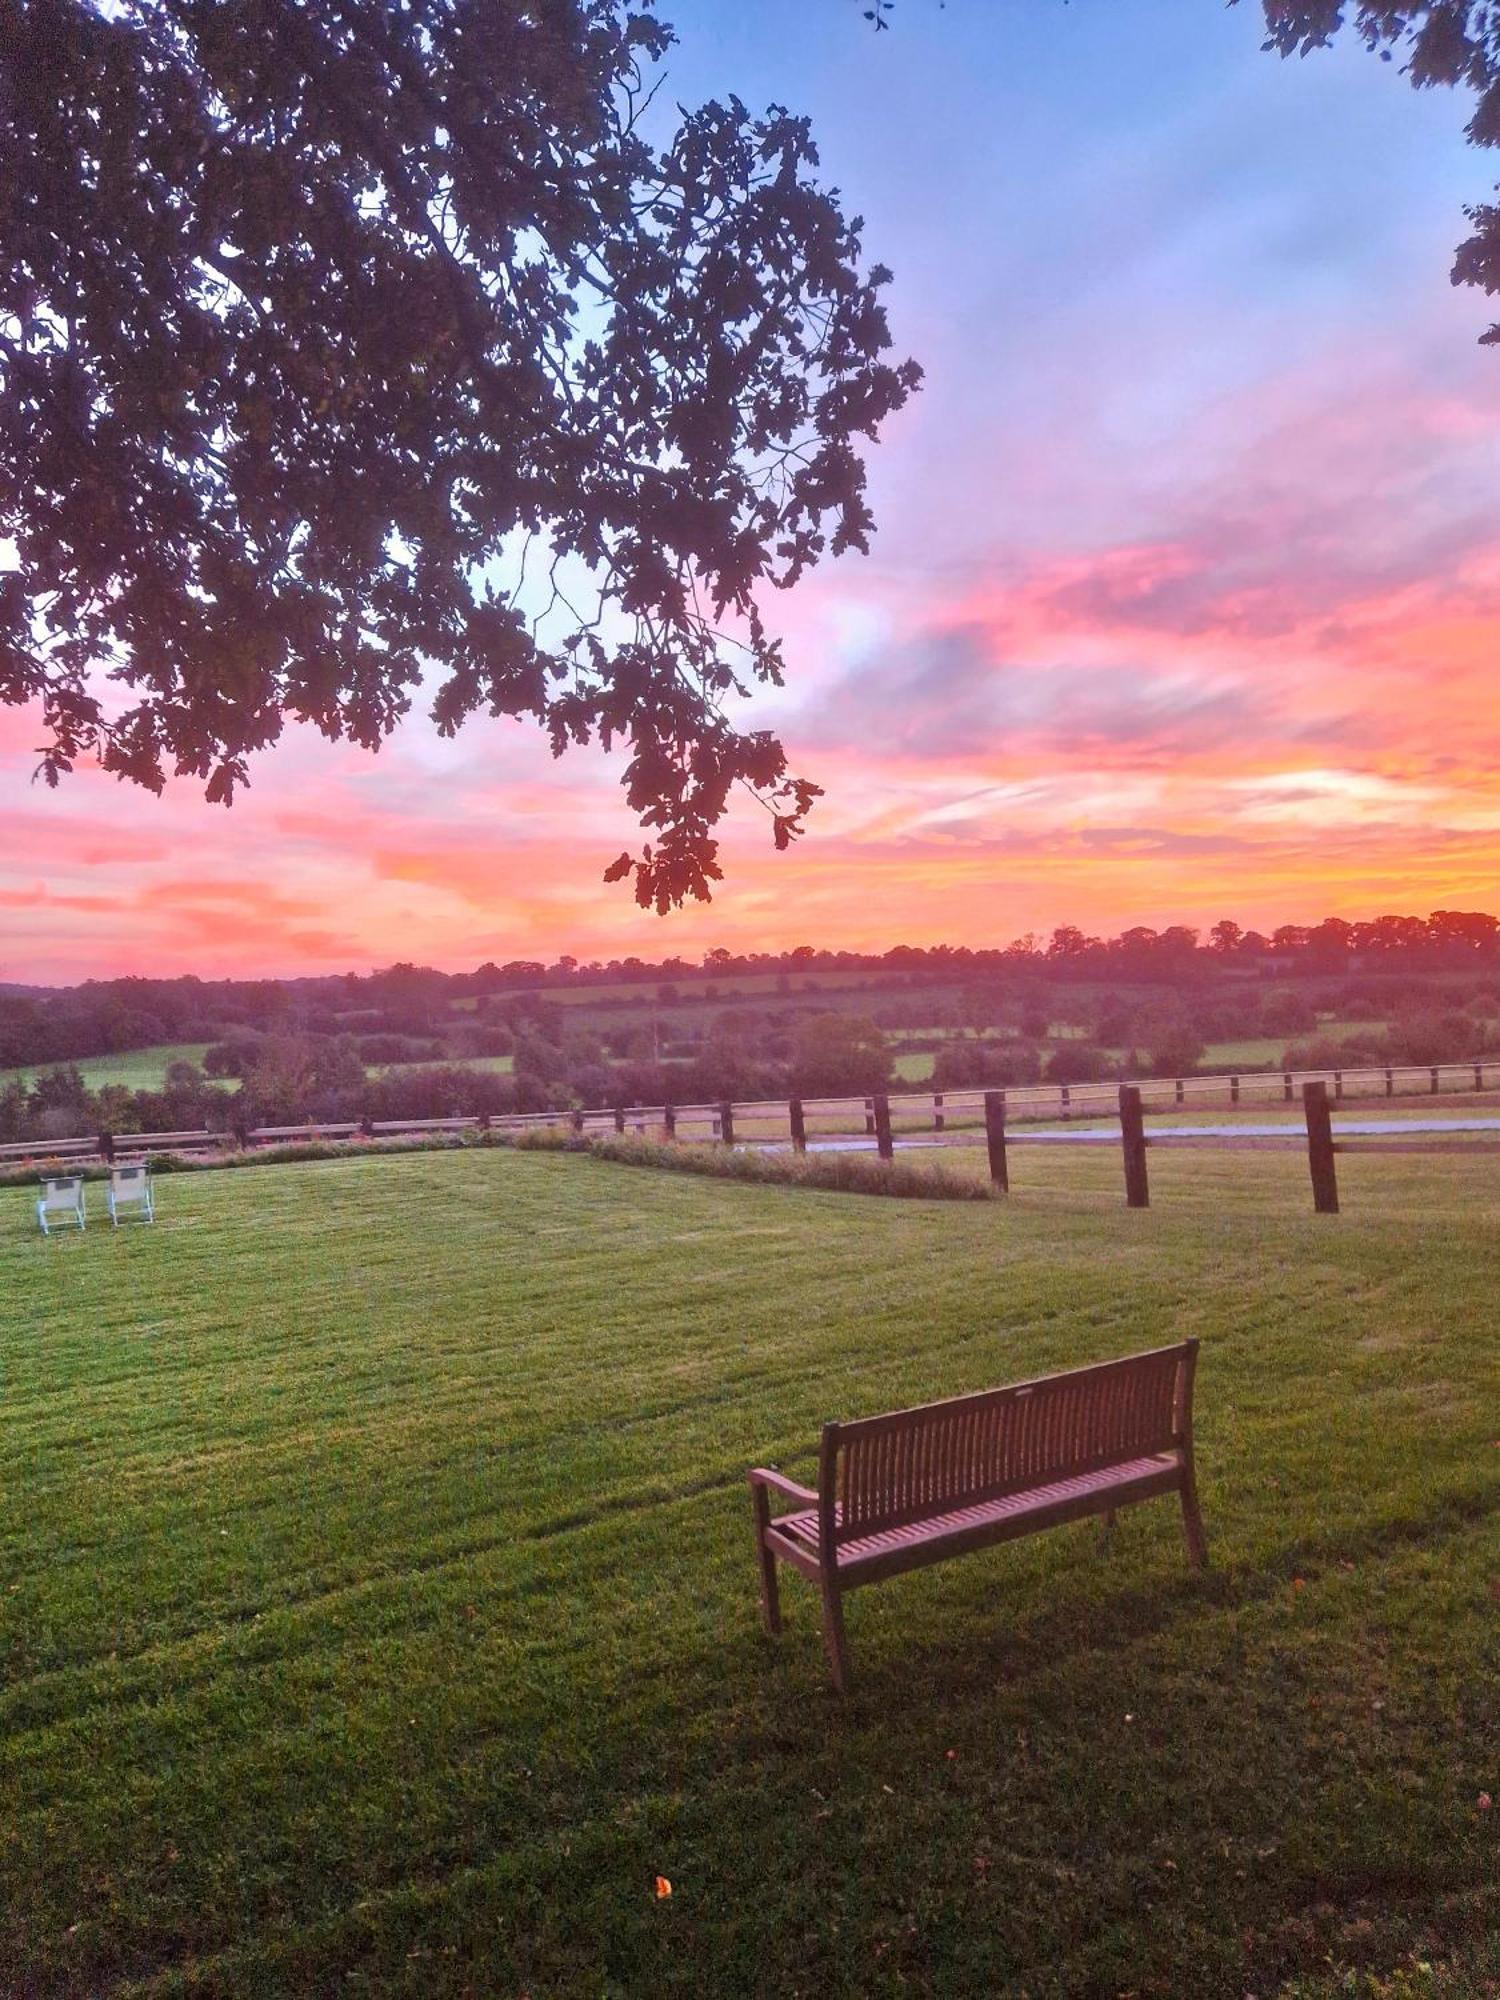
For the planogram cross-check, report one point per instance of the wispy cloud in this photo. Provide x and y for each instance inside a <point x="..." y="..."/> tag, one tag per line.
<point x="1186" y="599"/>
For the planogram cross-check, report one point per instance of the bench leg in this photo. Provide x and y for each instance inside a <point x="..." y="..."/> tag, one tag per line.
<point x="1192" y="1523"/>
<point x="833" y="1634"/>
<point x="770" y="1591"/>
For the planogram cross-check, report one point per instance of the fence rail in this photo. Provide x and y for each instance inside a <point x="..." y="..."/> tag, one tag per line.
<point x="922" y="1116"/>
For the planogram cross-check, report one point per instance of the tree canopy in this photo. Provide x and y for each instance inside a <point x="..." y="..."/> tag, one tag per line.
<point x="353" y="354"/>
<point x="1438" y="42"/>
<point x="357" y="353"/>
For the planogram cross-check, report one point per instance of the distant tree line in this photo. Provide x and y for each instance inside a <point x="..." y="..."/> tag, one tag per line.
<point x="407" y="1012"/>
<point x="293" y="1077"/>
<point x="989" y="1032"/>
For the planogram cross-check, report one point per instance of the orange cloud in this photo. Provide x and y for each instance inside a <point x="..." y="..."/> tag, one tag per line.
<point x="1267" y="693"/>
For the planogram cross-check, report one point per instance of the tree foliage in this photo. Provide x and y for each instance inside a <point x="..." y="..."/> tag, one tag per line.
<point x="1437" y="42"/>
<point x="353" y="351"/>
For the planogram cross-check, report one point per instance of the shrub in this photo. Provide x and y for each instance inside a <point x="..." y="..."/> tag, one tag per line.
<point x="840" y="1055"/>
<point x="1322" y="1052"/>
<point x="839" y="1173"/>
<point x="994" y="1065"/>
<point x="1176" y="1052"/>
<point x="235" y="1056"/>
<point x="1435" y="1038"/>
<point x="1077" y="1062"/>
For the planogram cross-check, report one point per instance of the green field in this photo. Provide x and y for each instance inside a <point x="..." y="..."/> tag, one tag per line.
<point x="137" y="1069"/>
<point x="379" y="1617"/>
<point x="1254" y="1052"/>
<point x="496" y="1065"/>
<point x="1266" y="1051"/>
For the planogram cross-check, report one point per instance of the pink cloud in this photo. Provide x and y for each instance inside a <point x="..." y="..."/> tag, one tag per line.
<point x="1265" y="687"/>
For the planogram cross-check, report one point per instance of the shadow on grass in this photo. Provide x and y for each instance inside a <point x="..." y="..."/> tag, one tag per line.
<point x="1078" y="1622"/>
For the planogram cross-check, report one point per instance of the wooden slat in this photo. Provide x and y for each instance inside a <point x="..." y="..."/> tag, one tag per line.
<point x="896" y="1469"/>
<point x="937" y="1521"/>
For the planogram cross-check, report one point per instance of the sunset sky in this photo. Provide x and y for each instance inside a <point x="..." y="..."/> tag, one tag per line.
<point x="1185" y="601"/>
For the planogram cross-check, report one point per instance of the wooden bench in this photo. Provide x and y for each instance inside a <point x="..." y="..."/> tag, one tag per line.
<point x="900" y="1491"/>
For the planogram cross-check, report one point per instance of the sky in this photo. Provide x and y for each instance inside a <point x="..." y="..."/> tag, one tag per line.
<point x="1186" y="592"/>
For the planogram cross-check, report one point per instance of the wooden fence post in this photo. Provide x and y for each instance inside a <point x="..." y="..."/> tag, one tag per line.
<point x="1338" y="1083"/>
<point x="799" y="1125"/>
<point x="1434" y="1079"/>
<point x="578" y="1121"/>
<point x="106" y="1147"/>
<point x="669" y="1120"/>
<point x="726" y="1123"/>
<point x="1479" y="1076"/>
<point x="994" y="1134"/>
<point x="1320" y="1159"/>
<point x="937" y="1111"/>
<point x="1286" y="1083"/>
<point x="1234" y="1090"/>
<point x="884" y="1144"/>
<point x="1067" y="1102"/>
<point x="1390" y="1084"/>
<point x="1181" y="1094"/>
<point x="1133" y="1145"/>
<point x="619" y="1118"/>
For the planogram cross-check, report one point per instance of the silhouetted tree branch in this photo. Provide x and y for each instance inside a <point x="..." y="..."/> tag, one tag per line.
<point x="318" y="316"/>
<point x="1436" y="43"/>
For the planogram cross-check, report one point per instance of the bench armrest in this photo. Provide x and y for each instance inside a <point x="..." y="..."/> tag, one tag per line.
<point x="764" y="1475"/>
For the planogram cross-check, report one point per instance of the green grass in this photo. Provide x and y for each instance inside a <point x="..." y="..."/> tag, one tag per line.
<point x="496" y="1065"/>
<point x="1266" y="1051"/>
<point x="1253" y="1051"/>
<point x="137" y="1069"/>
<point x="377" y="1616"/>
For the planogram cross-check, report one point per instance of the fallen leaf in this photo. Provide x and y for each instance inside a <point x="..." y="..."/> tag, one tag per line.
<point x="663" y="1888"/>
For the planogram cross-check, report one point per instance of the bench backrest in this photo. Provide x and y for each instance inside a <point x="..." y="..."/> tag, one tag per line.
<point x="889" y="1471"/>
<point x="129" y="1183"/>
<point x="63" y="1193"/>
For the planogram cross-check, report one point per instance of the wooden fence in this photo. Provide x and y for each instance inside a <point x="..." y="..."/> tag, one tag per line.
<point x="1317" y="1133"/>
<point x="917" y="1117"/>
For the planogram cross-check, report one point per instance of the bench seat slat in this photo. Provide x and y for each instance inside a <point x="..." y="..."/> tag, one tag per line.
<point x="1112" y="1480"/>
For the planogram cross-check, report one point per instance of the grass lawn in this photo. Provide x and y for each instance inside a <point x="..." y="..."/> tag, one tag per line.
<point x="378" y="1613"/>
<point x="1254" y="1051"/>
<point x="496" y="1065"/>
<point x="1266" y="1051"/>
<point x="137" y="1069"/>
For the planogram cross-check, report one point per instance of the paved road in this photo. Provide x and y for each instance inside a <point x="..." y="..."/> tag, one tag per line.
<point x="1097" y="1135"/>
